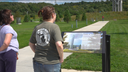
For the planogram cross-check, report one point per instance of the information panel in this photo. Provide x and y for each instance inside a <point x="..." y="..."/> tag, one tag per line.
<point x="88" y="42"/>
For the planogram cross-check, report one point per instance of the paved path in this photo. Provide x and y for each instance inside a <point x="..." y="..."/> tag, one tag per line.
<point x="24" y="64"/>
<point x="93" y="27"/>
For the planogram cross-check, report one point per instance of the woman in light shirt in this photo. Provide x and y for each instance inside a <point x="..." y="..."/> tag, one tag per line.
<point x="9" y="45"/>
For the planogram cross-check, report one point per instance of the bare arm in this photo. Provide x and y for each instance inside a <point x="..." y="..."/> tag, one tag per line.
<point x="7" y="41"/>
<point x="32" y="45"/>
<point x="59" y="46"/>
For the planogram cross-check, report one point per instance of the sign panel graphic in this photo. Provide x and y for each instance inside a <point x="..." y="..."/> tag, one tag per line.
<point x="88" y="42"/>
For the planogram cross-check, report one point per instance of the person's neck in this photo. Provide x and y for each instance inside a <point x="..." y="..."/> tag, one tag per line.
<point x="51" y="21"/>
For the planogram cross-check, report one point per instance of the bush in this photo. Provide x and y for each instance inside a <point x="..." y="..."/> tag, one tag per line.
<point x="78" y="17"/>
<point x="61" y="15"/>
<point x="41" y="19"/>
<point x="57" y="18"/>
<point x="26" y="18"/>
<point x="84" y="17"/>
<point x="67" y="16"/>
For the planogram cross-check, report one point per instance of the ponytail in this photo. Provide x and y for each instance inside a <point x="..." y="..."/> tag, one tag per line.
<point x="40" y="13"/>
<point x="46" y="12"/>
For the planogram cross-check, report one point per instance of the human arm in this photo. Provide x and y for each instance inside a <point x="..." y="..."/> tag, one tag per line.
<point x="59" y="46"/>
<point x="6" y="42"/>
<point x="32" y="46"/>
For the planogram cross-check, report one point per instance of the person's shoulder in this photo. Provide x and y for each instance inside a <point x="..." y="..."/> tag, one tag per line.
<point x="7" y="27"/>
<point x="55" y="25"/>
<point x="38" y="25"/>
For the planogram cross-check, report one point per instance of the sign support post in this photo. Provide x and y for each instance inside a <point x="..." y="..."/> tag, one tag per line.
<point x="106" y="55"/>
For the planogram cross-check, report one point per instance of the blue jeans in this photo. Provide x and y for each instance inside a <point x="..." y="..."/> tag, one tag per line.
<point x="38" y="67"/>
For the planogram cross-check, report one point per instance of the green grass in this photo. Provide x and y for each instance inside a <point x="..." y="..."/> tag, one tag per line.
<point x="119" y="51"/>
<point x="25" y="29"/>
<point x="67" y="26"/>
<point x="83" y="61"/>
<point x="119" y="47"/>
<point x="24" y="32"/>
<point x="108" y="15"/>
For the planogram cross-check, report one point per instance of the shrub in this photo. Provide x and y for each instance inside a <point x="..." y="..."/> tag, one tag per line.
<point x="41" y="19"/>
<point x="78" y="17"/>
<point x="67" y="16"/>
<point x="26" y="18"/>
<point x="84" y="17"/>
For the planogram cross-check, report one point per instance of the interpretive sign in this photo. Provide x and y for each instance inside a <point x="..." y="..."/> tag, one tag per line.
<point x="88" y="42"/>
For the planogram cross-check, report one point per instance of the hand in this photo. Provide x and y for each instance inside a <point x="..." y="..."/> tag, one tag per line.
<point x="61" y="60"/>
<point x="17" y="55"/>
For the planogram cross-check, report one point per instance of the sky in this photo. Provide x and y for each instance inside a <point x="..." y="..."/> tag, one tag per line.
<point x="48" y="1"/>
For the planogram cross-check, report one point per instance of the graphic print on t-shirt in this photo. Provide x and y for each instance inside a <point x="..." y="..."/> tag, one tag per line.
<point x="42" y="37"/>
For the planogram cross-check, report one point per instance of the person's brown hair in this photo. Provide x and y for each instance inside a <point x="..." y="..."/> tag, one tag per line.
<point x="46" y="12"/>
<point x="5" y="17"/>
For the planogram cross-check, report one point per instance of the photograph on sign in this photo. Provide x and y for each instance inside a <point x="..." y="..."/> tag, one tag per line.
<point x="89" y="42"/>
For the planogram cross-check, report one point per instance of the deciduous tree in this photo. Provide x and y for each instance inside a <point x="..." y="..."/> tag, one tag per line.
<point x="84" y="17"/>
<point x="67" y="16"/>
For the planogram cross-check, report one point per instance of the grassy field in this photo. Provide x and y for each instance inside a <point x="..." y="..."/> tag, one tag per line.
<point x="108" y="15"/>
<point x="24" y="32"/>
<point x="25" y="29"/>
<point x="98" y="16"/>
<point x="119" y="48"/>
<point x="119" y="51"/>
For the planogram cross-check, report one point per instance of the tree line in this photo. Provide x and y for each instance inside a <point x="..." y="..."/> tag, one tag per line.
<point x="32" y="9"/>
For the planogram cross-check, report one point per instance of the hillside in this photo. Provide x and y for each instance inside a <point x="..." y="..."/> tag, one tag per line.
<point x="93" y="10"/>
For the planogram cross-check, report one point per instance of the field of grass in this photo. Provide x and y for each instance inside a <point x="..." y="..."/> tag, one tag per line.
<point x="25" y="29"/>
<point x="24" y="32"/>
<point x="98" y="16"/>
<point x="108" y="15"/>
<point x="83" y="61"/>
<point x="118" y="52"/>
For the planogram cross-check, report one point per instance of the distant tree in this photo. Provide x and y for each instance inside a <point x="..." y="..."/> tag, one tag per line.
<point x="17" y="17"/>
<point x="67" y="16"/>
<point x="91" y="10"/>
<point x="26" y="18"/>
<point x="84" y="17"/>
<point x="17" y="14"/>
<point x="41" y="19"/>
<point x="57" y="18"/>
<point x="78" y="17"/>
<point x="60" y="15"/>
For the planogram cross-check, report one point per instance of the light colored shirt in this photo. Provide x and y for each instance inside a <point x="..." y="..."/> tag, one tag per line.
<point x="14" y="45"/>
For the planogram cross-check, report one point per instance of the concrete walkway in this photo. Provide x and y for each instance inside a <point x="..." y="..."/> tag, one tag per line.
<point x="24" y="63"/>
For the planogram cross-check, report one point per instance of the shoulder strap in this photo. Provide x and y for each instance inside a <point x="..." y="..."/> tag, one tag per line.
<point x="2" y="27"/>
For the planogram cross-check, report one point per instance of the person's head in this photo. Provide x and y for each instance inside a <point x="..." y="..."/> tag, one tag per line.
<point x="6" y="17"/>
<point x="48" y="13"/>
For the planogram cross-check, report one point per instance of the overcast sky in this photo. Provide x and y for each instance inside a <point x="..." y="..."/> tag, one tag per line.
<point x="48" y="1"/>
